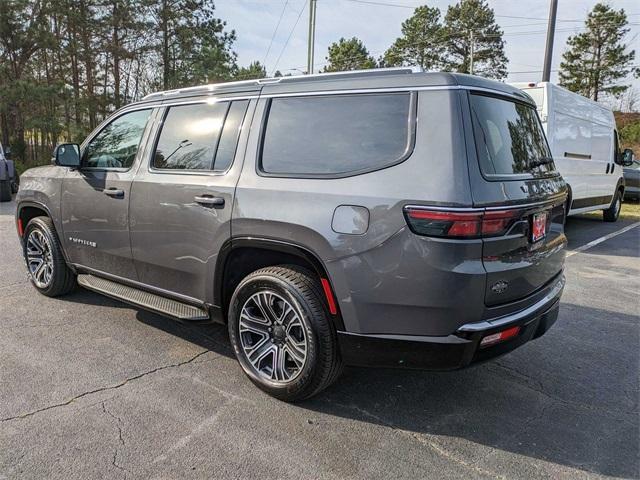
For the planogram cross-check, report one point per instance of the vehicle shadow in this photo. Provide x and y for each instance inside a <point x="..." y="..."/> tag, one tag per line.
<point x="564" y="399"/>
<point x="208" y="335"/>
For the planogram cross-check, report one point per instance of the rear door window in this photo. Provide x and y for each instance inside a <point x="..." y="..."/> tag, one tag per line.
<point x="509" y="137"/>
<point x="200" y="136"/>
<point x="336" y="135"/>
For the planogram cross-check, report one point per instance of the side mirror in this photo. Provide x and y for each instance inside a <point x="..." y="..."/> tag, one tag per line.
<point x="7" y="153"/>
<point x="627" y="157"/>
<point x="67" y="155"/>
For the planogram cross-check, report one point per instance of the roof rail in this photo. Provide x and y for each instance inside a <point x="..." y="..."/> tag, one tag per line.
<point x="271" y="80"/>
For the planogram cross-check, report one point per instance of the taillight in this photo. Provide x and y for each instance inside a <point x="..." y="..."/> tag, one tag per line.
<point x="459" y="224"/>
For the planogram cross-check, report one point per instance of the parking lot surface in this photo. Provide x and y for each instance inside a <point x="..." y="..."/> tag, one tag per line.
<point x="93" y="388"/>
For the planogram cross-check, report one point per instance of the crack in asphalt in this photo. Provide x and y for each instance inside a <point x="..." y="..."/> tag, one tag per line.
<point x="13" y="284"/>
<point x="517" y="376"/>
<point x="421" y="438"/>
<point x="114" y="460"/>
<point x="102" y="389"/>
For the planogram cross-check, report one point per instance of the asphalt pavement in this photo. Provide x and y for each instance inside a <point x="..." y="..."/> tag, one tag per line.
<point x="93" y="388"/>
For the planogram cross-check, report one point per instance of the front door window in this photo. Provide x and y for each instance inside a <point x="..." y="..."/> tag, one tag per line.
<point x="116" y="145"/>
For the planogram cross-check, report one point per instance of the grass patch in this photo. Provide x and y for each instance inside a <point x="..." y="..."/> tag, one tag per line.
<point x="630" y="211"/>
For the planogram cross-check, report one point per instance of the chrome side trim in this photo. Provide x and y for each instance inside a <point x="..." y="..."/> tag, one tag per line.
<point x="142" y="286"/>
<point x="540" y="305"/>
<point x="161" y="96"/>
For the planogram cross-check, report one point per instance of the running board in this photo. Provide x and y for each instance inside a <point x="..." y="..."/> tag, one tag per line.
<point x="140" y="298"/>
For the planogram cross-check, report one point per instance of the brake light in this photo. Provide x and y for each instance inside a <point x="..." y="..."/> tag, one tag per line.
<point x="497" y="222"/>
<point x="456" y="224"/>
<point x="499" y="337"/>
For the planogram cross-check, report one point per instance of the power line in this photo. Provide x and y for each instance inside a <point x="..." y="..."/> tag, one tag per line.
<point x="275" y="31"/>
<point x="290" y="35"/>
<point x="413" y="7"/>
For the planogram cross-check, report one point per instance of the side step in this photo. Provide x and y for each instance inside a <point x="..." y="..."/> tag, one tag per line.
<point x="140" y="298"/>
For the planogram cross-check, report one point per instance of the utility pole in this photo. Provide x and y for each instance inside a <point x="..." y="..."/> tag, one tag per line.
<point x="548" y="52"/>
<point x="471" y="41"/>
<point x="312" y="35"/>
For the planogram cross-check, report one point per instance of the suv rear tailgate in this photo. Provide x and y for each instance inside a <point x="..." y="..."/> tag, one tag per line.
<point x="513" y="177"/>
<point x="516" y="264"/>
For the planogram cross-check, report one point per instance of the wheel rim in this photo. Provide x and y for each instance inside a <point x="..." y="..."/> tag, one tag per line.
<point x="618" y="205"/>
<point x="273" y="337"/>
<point x="39" y="259"/>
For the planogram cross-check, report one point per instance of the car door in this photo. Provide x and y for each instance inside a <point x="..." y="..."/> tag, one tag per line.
<point x="95" y="197"/>
<point x="183" y="194"/>
<point x="604" y="181"/>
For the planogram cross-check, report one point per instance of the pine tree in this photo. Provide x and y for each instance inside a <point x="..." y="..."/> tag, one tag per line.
<point x="348" y="54"/>
<point x="421" y="41"/>
<point x="597" y="59"/>
<point x="253" y="71"/>
<point x="471" y="24"/>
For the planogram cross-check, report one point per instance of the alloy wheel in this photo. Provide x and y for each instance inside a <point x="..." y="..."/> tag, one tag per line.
<point x="273" y="337"/>
<point x="39" y="259"/>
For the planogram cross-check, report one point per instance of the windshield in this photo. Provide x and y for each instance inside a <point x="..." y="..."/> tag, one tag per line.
<point x="509" y="137"/>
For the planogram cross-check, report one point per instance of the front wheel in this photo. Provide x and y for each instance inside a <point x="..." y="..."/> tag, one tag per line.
<point x="48" y="270"/>
<point x="612" y="213"/>
<point x="281" y="333"/>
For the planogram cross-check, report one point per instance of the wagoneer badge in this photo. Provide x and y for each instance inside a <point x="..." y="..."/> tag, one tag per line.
<point x="499" y="287"/>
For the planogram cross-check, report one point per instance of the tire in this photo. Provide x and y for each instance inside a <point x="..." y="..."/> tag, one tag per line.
<point x="5" y="191"/>
<point x="52" y="277"/>
<point x="283" y="310"/>
<point x="612" y="213"/>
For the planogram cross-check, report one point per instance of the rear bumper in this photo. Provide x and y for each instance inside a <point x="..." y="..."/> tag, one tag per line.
<point x="454" y="351"/>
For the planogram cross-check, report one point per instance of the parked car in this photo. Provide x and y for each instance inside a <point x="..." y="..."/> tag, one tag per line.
<point x="8" y="176"/>
<point x="632" y="181"/>
<point x="584" y="143"/>
<point x="384" y="218"/>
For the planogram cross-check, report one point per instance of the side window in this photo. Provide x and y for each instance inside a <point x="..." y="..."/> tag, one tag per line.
<point x="117" y="144"/>
<point x="200" y="137"/>
<point x="336" y="135"/>
<point x="230" y="133"/>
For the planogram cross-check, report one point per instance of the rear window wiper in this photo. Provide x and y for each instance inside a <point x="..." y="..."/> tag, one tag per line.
<point x="540" y="161"/>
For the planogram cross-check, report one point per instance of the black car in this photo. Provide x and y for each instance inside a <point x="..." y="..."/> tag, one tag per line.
<point x="632" y="181"/>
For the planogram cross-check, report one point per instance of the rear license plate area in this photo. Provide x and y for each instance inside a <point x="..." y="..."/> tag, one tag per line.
<point x="539" y="226"/>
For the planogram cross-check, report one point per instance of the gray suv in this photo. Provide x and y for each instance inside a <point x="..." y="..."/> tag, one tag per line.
<point x="388" y="218"/>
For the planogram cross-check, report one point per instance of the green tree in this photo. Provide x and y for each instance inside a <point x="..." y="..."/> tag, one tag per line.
<point x="421" y="41"/>
<point x="254" y="70"/>
<point x="194" y="46"/>
<point x="470" y="24"/>
<point x="597" y="59"/>
<point x="348" y="54"/>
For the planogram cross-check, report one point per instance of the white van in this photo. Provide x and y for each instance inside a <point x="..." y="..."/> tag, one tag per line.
<point x="584" y="144"/>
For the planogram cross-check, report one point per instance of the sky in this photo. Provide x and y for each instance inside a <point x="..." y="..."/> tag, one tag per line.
<point x="255" y="22"/>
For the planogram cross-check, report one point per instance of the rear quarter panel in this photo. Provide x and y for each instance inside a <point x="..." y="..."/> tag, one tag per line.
<point x="381" y="277"/>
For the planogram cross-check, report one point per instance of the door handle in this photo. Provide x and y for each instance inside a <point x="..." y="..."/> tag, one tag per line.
<point x="114" y="192"/>
<point x="209" y="201"/>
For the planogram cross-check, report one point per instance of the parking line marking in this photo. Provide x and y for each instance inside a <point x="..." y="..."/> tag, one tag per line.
<point x="598" y="241"/>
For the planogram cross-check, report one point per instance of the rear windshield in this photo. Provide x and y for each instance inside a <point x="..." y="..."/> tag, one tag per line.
<point x="509" y="137"/>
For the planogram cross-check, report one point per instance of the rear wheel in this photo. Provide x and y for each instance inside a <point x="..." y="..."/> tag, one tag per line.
<point x="48" y="270"/>
<point x="5" y="191"/>
<point x="281" y="334"/>
<point x="612" y="213"/>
